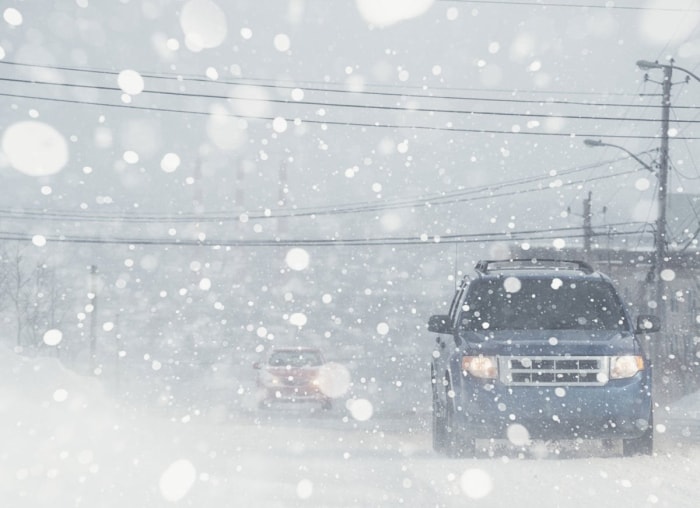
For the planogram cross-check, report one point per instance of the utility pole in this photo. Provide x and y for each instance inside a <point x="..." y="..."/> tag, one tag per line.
<point x="587" y="226"/>
<point x="93" y="318"/>
<point x="660" y="251"/>
<point x="197" y="196"/>
<point x="117" y="356"/>
<point x="282" y="195"/>
<point x="660" y="236"/>
<point x="660" y="256"/>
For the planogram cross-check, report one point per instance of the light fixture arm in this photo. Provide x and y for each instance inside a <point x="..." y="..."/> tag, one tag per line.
<point x="597" y="142"/>
<point x="646" y="65"/>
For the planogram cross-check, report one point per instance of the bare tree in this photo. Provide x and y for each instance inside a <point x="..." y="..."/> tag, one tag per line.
<point x="17" y="280"/>
<point x="30" y="294"/>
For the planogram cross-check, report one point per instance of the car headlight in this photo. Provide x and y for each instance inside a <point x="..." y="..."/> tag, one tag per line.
<point x="485" y="367"/>
<point x="268" y="379"/>
<point x="622" y="367"/>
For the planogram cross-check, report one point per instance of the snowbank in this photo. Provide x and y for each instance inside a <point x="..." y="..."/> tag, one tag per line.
<point x="66" y="444"/>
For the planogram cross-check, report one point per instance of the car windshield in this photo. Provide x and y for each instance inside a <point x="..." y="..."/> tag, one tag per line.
<point x="542" y="304"/>
<point x="295" y="359"/>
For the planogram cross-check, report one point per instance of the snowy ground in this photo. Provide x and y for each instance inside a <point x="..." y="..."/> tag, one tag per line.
<point x="67" y="444"/>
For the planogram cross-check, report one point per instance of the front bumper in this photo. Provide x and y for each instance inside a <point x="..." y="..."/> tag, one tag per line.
<point x="293" y="393"/>
<point x="619" y="409"/>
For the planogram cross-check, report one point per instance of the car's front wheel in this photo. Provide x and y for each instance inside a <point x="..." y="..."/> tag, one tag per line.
<point x="439" y="425"/>
<point x="458" y="443"/>
<point x="643" y="445"/>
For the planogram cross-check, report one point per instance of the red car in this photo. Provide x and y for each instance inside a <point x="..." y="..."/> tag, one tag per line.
<point x="292" y="375"/>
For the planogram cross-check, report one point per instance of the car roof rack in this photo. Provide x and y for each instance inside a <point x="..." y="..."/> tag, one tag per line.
<point x="491" y="265"/>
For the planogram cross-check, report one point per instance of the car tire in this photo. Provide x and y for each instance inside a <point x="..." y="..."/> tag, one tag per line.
<point x="458" y="443"/>
<point x="643" y="445"/>
<point x="439" y="425"/>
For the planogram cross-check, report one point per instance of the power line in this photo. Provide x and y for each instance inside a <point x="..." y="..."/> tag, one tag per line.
<point x="366" y="125"/>
<point x="426" y="240"/>
<point x="404" y="109"/>
<point x="607" y="6"/>
<point x="437" y="200"/>
<point x="268" y="83"/>
<point x="459" y="199"/>
<point x="294" y="84"/>
<point x="690" y="155"/>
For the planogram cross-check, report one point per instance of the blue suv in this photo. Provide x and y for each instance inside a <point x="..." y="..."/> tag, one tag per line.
<point x="540" y="349"/>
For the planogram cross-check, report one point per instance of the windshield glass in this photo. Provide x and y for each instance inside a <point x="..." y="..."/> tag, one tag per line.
<point x="295" y="359"/>
<point x="542" y="304"/>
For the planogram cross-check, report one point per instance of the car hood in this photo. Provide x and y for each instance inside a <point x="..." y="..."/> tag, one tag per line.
<point x="550" y="342"/>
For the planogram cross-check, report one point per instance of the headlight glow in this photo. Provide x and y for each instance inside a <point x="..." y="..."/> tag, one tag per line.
<point x="268" y="379"/>
<point x="622" y="367"/>
<point x="484" y="367"/>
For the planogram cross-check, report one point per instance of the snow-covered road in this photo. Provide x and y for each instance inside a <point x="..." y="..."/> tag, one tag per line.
<point x="67" y="444"/>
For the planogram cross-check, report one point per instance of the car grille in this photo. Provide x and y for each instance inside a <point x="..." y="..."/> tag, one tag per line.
<point x="553" y="370"/>
<point x="295" y="381"/>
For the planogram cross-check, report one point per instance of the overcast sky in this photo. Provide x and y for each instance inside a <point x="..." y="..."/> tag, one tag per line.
<point x="202" y="106"/>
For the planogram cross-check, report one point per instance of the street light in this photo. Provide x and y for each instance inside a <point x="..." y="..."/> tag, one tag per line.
<point x="662" y="172"/>
<point x="646" y="65"/>
<point x="597" y="142"/>
<point x="664" y="149"/>
<point x="659" y="257"/>
<point x="660" y="232"/>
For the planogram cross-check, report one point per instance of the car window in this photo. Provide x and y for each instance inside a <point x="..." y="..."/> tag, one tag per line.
<point x="295" y="359"/>
<point x="543" y="304"/>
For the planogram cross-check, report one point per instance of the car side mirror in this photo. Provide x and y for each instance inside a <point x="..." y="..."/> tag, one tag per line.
<point x="440" y="323"/>
<point x="648" y="324"/>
